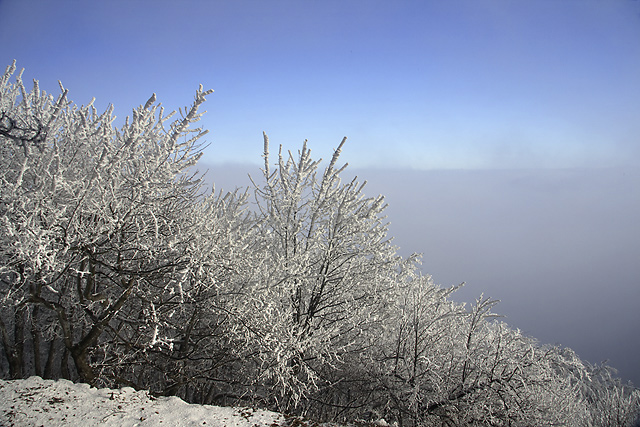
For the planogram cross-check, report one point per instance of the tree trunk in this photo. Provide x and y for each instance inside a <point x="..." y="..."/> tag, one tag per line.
<point x="48" y="367"/>
<point x="35" y="337"/>
<point x="85" y="371"/>
<point x="11" y="352"/>
<point x="64" y="364"/>
<point x="19" y="342"/>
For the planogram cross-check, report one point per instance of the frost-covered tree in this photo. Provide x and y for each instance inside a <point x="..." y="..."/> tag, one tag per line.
<point x="608" y="402"/>
<point x="105" y="233"/>
<point x="182" y="332"/>
<point x="445" y="364"/>
<point x="327" y="270"/>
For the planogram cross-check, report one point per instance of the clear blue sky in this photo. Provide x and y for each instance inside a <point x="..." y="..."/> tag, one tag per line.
<point x="442" y="84"/>
<point x="421" y="84"/>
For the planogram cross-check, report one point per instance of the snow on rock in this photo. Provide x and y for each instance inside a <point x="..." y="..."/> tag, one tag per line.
<point x="38" y="402"/>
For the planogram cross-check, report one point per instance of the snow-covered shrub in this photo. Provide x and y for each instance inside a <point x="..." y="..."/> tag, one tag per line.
<point x="110" y="249"/>
<point x="326" y="276"/>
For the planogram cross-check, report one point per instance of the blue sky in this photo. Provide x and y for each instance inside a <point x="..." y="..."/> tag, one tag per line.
<point x="533" y="106"/>
<point x="424" y="84"/>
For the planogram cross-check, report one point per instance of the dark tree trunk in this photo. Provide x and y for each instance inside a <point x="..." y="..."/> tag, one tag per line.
<point x="11" y="352"/>
<point x="81" y="359"/>
<point x="35" y="337"/>
<point x="48" y="367"/>
<point x="64" y="364"/>
<point x="19" y="342"/>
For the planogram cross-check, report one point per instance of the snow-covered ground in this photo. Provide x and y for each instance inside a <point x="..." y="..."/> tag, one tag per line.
<point x="38" y="402"/>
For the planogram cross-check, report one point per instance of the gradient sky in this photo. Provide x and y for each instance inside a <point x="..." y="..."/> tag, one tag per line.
<point x="423" y="84"/>
<point x="531" y="106"/>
